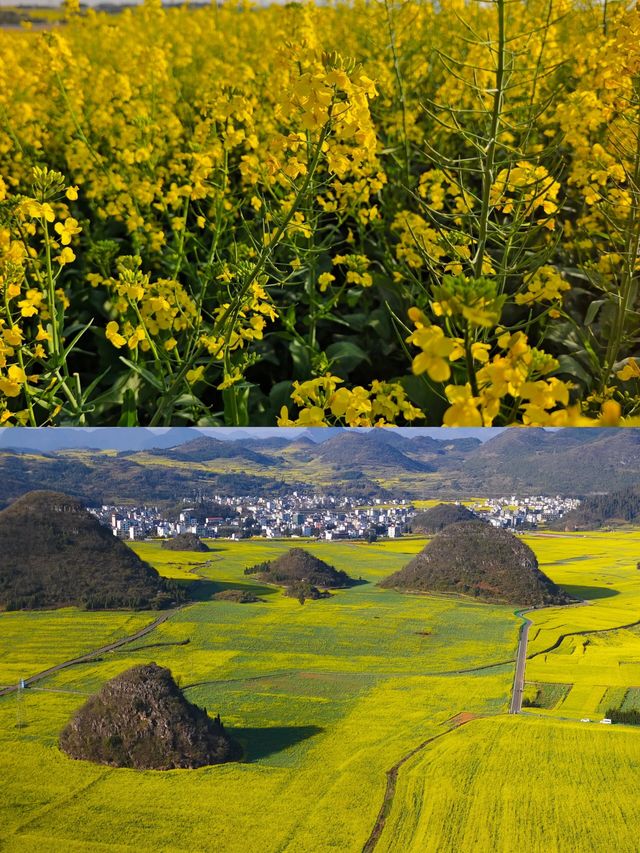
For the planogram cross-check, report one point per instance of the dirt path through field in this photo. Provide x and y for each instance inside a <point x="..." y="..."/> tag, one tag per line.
<point x="123" y="641"/>
<point x="392" y="778"/>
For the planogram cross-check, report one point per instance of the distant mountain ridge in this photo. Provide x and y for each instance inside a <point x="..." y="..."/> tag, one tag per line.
<point x="363" y="464"/>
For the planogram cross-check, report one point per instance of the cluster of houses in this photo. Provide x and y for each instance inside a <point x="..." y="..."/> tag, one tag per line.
<point x="514" y="512"/>
<point x="296" y="514"/>
<point x="309" y="516"/>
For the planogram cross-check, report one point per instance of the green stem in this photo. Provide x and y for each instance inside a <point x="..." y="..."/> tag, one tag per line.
<point x="401" y="93"/>
<point x="632" y="246"/>
<point x="54" y="343"/>
<point x="27" y="392"/>
<point x="471" y="370"/>
<point x="489" y="160"/>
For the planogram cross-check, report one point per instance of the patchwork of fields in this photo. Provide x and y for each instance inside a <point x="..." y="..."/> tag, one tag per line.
<point x="327" y="697"/>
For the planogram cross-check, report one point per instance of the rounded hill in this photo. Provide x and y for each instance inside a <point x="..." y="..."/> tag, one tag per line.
<point x="478" y="560"/>
<point x="141" y="719"/>
<point x="298" y="565"/>
<point x="54" y="553"/>
<point x="185" y="542"/>
<point x="436" y="518"/>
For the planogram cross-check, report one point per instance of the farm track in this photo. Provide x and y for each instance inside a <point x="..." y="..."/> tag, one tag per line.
<point x="110" y="647"/>
<point x="514" y="708"/>
<point x="392" y="778"/>
<point x="301" y="672"/>
<point x="522" y="657"/>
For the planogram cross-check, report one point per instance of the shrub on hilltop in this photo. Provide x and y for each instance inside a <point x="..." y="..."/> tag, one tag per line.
<point x="298" y="565"/>
<point x="185" y="542"/>
<point x="438" y="517"/>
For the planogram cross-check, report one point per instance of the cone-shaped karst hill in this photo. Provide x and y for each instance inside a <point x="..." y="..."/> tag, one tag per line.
<point x="54" y="553"/>
<point x="185" y="542"/>
<point x="141" y="719"/>
<point x="299" y="565"/>
<point x="476" y="559"/>
<point x="436" y="518"/>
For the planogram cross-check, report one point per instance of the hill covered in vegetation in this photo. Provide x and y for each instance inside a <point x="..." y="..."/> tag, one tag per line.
<point x="436" y="518"/>
<point x="299" y="566"/>
<point x="54" y="553"/>
<point x="185" y="542"/>
<point x="611" y="510"/>
<point x="141" y="719"/>
<point x="478" y="560"/>
<point x="206" y="449"/>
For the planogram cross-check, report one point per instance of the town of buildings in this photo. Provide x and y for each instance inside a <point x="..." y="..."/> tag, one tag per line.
<point x="309" y="516"/>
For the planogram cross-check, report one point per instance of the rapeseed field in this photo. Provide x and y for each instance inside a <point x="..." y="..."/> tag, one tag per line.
<point x="32" y="642"/>
<point x="328" y="696"/>
<point x="585" y="646"/>
<point x="503" y="784"/>
<point x="357" y="213"/>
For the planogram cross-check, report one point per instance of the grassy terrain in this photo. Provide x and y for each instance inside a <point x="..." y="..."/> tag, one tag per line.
<point x="519" y="784"/>
<point x="327" y="697"/>
<point x="31" y="642"/>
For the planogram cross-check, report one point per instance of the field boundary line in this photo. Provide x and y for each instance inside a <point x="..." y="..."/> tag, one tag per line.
<point x="392" y="779"/>
<point x="563" y="637"/>
<point x="89" y="656"/>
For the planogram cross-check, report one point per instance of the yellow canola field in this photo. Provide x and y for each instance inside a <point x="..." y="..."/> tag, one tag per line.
<point x="510" y="784"/>
<point x="601" y="568"/>
<point x="327" y="697"/>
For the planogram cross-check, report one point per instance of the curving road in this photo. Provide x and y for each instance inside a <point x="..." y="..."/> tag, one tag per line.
<point x="521" y="662"/>
<point x="123" y="641"/>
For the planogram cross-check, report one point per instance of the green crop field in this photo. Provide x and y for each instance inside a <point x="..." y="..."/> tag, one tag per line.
<point x="327" y="697"/>
<point x="32" y="642"/>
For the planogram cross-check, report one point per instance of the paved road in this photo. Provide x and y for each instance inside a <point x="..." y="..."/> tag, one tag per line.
<point x="94" y="654"/>
<point x="521" y="662"/>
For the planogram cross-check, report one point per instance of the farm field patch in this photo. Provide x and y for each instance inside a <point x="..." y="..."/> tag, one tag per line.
<point x="31" y="642"/>
<point x="499" y="784"/>
<point x="326" y="697"/>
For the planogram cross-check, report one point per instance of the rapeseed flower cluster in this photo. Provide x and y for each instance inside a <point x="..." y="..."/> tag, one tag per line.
<point x="357" y="213"/>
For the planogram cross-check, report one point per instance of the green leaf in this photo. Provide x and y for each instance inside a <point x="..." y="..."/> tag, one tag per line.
<point x="423" y="395"/>
<point x="129" y="416"/>
<point x="145" y="374"/>
<point x="572" y="367"/>
<point x="87" y="392"/>
<point x="301" y="359"/>
<point x="592" y="311"/>
<point x="279" y="396"/>
<point x="346" y="355"/>
<point x="75" y="339"/>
